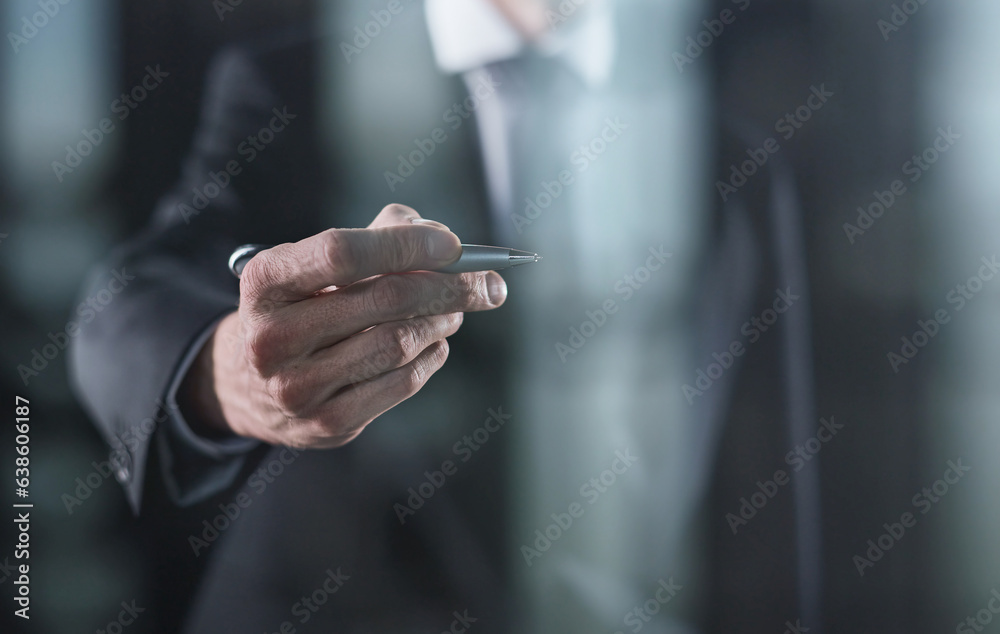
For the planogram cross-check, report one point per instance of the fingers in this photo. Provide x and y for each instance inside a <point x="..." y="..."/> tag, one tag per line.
<point x="295" y="271"/>
<point x="367" y="400"/>
<point x="306" y="385"/>
<point x="326" y="319"/>
<point x="387" y="347"/>
<point x="394" y="297"/>
<point x="342" y="326"/>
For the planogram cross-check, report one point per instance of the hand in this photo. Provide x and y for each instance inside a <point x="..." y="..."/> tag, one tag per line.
<point x="334" y="330"/>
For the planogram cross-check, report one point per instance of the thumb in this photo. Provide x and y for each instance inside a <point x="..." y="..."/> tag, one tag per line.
<point x="396" y="214"/>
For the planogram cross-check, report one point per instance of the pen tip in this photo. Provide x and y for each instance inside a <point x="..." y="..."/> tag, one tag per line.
<point x="538" y="258"/>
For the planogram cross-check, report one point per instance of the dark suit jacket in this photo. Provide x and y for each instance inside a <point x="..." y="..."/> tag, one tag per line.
<point x="326" y="510"/>
<point x="124" y="360"/>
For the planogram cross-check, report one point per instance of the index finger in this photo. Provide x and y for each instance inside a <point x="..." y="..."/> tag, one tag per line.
<point x="294" y="271"/>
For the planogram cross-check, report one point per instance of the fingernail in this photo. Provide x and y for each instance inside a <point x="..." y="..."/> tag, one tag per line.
<point x="429" y="223"/>
<point x="497" y="288"/>
<point x="443" y="245"/>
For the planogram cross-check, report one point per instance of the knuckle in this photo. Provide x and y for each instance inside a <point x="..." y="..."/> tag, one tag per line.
<point x="455" y="293"/>
<point x="397" y="209"/>
<point x="471" y="288"/>
<point x="395" y="345"/>
<point x="387" y="295"/>
<point x="337" y="254"/>
<point x="263" y="347"/>
<point x="258" y="275"/>
<point x="414" y="375"/>
<point x="403" y="250"/>
<point x="286" y="391"/>
<point x="412" y="378"/>
<point x="335" y="428"/>
<point x="435" y="327"/>
<point x="441" y="354"/>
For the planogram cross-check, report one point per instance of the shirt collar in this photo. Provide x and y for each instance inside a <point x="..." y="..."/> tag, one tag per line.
<point x="468" y="34"/>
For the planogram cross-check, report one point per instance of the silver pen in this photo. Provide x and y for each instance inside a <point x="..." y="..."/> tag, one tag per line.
<point x="475" y="257"/>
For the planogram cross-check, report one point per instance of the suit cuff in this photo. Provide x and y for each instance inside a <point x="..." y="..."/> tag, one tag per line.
<point x="195" y="467"/>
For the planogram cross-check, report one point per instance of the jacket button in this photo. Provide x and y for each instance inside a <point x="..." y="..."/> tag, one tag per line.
<point x="121" y="462"/>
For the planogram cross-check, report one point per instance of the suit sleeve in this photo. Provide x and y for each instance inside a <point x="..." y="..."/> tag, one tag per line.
<point x="243" y="182"/>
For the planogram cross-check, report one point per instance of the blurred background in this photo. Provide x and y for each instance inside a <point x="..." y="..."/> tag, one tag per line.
<point x="896" y="84"/>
